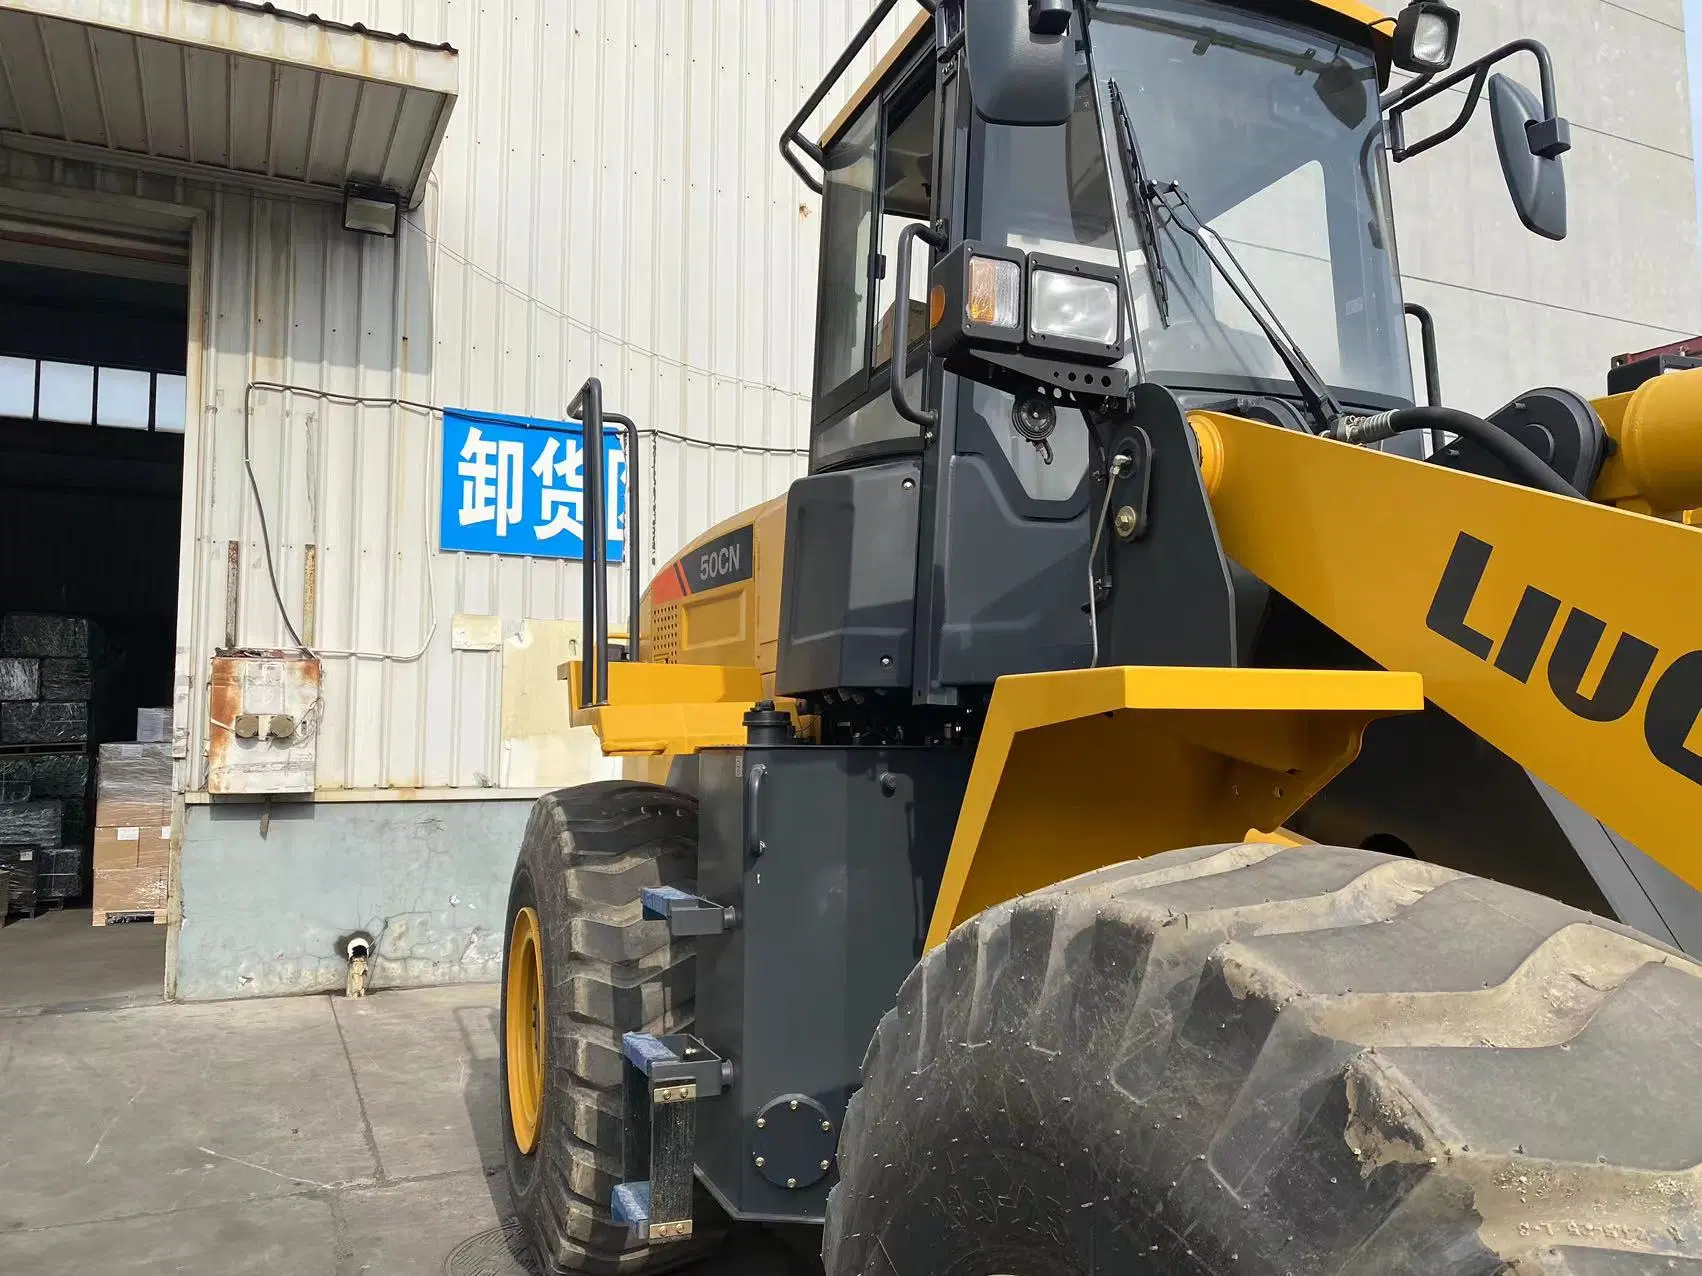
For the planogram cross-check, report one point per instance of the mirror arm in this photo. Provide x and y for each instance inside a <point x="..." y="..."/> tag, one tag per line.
<point x="1478" y="72"/>
<point x="1411" y="86"/>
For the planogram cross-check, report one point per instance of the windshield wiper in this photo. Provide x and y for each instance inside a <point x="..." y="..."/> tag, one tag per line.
<point x="1142" y="195"/>
<point x="1147" y="195"/>
<point x="1325" y="410"/>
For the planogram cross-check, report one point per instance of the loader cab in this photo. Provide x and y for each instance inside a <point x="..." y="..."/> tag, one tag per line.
<point x="942" y="538"/>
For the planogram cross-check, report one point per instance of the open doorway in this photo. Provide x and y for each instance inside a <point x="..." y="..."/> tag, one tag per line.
<point x="93" y="353"/>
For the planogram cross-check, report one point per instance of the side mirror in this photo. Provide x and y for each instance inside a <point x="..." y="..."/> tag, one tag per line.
<point x="1530" y="148"/>
<point x="1021" y="60"/>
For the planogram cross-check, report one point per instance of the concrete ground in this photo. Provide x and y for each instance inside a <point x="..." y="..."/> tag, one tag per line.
<point x="311" y="1136"/>
<point x="60" y="960"/>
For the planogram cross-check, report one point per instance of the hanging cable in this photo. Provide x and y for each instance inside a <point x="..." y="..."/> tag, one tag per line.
<point x="1121" y="462"/>
<point x="381" y="401"/>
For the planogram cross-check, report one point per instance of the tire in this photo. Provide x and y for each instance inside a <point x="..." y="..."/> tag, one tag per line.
<point x="587" y="855"/>
<point x="1254" y="1059"/>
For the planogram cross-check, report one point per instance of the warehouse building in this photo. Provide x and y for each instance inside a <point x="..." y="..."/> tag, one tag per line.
<point x="291" y="311"/>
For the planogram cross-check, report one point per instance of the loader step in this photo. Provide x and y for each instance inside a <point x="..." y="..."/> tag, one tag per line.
<point x="665" y="1076"/>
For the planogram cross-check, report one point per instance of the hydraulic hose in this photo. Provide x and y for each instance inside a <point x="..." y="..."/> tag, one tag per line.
<point x="1528" y="468"/>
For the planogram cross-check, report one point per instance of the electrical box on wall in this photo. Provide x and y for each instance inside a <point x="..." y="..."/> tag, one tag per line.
<point x="264" y="727"/>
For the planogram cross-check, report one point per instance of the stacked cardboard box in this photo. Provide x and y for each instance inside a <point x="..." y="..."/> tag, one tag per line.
<point x="132" y="850"/>
<point x="153" y="726"/>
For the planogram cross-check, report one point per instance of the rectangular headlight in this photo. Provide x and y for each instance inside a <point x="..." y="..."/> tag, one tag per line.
<point x="1074" y="306"/>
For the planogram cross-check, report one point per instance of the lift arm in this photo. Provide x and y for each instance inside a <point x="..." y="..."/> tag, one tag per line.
<point x="1568" y="634"/>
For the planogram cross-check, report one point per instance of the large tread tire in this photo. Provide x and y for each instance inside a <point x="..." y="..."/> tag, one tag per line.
<point x="587" y="855"/>
<point x="1254" y="1059"/>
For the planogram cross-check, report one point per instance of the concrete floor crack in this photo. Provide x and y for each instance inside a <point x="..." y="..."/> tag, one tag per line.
<point x="360" y="1099"/>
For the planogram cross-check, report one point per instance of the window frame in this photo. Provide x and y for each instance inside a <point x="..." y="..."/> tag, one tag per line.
<point x="911" y="81"/>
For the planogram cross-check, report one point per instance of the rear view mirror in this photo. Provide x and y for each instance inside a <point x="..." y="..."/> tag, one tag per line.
<point x="1021" y="60"/>
<point x="1530" y="148"/>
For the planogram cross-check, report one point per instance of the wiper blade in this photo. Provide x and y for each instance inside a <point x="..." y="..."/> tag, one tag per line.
<point x="1142" y="196"/>
<point x="1312" y="387"/>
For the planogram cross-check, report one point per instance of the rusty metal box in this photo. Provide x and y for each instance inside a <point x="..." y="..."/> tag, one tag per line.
<point x="264" y="711"/>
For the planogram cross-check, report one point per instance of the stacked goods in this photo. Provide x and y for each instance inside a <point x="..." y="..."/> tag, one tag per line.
<point x="132" y="830"/>
<point x="20" y="678"/>
<point x="153" y="726"/>
<point x="27" y="830"/>
<point x="59" y="875"/>
<point x="35" y="822"/>
<point x="15" y="779"/>
<point x="57" y="679"/>
<point x="22" y="871"/>
<point x="45" y="679"/>
<point x="67" y="678"/>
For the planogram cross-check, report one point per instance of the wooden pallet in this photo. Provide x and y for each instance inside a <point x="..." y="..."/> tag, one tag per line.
<point x="128" y="916"/>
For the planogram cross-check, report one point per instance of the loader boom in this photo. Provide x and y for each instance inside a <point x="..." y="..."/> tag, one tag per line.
<point x="1564" y="632"/>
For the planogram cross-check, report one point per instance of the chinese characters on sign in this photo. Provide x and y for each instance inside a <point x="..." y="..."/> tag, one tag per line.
<point x="515" y="485"/>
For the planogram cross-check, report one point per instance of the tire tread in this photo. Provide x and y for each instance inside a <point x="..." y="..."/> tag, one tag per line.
<point x="1332" y="1059"/>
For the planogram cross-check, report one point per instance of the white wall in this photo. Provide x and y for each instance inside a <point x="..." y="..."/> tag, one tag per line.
<point x="1514" y="311"/>
<point x="609" y="200"/>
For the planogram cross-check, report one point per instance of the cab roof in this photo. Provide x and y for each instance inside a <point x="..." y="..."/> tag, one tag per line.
<point x="1381" y="28"/>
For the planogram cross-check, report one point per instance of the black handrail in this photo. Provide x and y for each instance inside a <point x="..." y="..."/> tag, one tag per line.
<point x="587" y="409"/>
<point x="793" y="136"/>
<point x="634" y="585"/>
<point x="898" y="367"/>
<point x="1427" y="341"/>
<point x="1432" y="365"/>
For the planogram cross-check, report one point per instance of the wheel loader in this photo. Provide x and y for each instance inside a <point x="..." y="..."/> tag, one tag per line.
<point x="1163" y="793"/>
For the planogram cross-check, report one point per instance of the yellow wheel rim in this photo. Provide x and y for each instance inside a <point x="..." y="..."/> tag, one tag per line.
<point x="523" y="1031"/>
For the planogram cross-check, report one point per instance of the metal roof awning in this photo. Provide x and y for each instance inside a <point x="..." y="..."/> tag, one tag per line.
<point x="226" y="88"/>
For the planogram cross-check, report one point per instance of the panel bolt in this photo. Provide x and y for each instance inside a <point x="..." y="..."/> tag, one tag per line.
<point x="1125" y="521"/>
<point x="794" y="1105"/>
<point x="791" y="1182"/>
<point x="827" y="1125"/>
<point x="762" y="1123"/>
<point x="760" y="1163"/>
<point x="824" y="1165"/>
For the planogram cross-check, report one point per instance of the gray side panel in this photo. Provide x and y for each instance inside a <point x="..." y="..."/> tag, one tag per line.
<point x="849" y="582"/>
<point x="834" y="913"/>
<point x="1450" y="798"/>
<point x="1013" y="590"/>
<point x="1642" y="892"/>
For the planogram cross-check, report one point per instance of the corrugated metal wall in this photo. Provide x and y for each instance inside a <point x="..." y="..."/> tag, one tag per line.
<point x="608" y="201"/>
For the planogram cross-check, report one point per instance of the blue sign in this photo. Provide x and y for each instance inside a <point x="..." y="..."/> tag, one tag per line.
<point x="516" y="485"/>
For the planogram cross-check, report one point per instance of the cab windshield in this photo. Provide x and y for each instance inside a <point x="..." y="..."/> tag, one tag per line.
<point x="1273" y="132"/>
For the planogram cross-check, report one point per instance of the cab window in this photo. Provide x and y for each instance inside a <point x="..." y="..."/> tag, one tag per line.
<point x="879" y="179"/>
<point x="848" y="215"/>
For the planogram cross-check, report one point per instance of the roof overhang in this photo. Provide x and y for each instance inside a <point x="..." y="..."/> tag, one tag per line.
<point x="226" y="89"/>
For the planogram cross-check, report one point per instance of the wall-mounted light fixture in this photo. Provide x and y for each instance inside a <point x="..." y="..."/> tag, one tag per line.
<point x="371" y="210"/>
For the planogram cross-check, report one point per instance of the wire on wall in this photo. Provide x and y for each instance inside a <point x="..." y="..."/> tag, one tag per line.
<point x="656" y="436"/>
